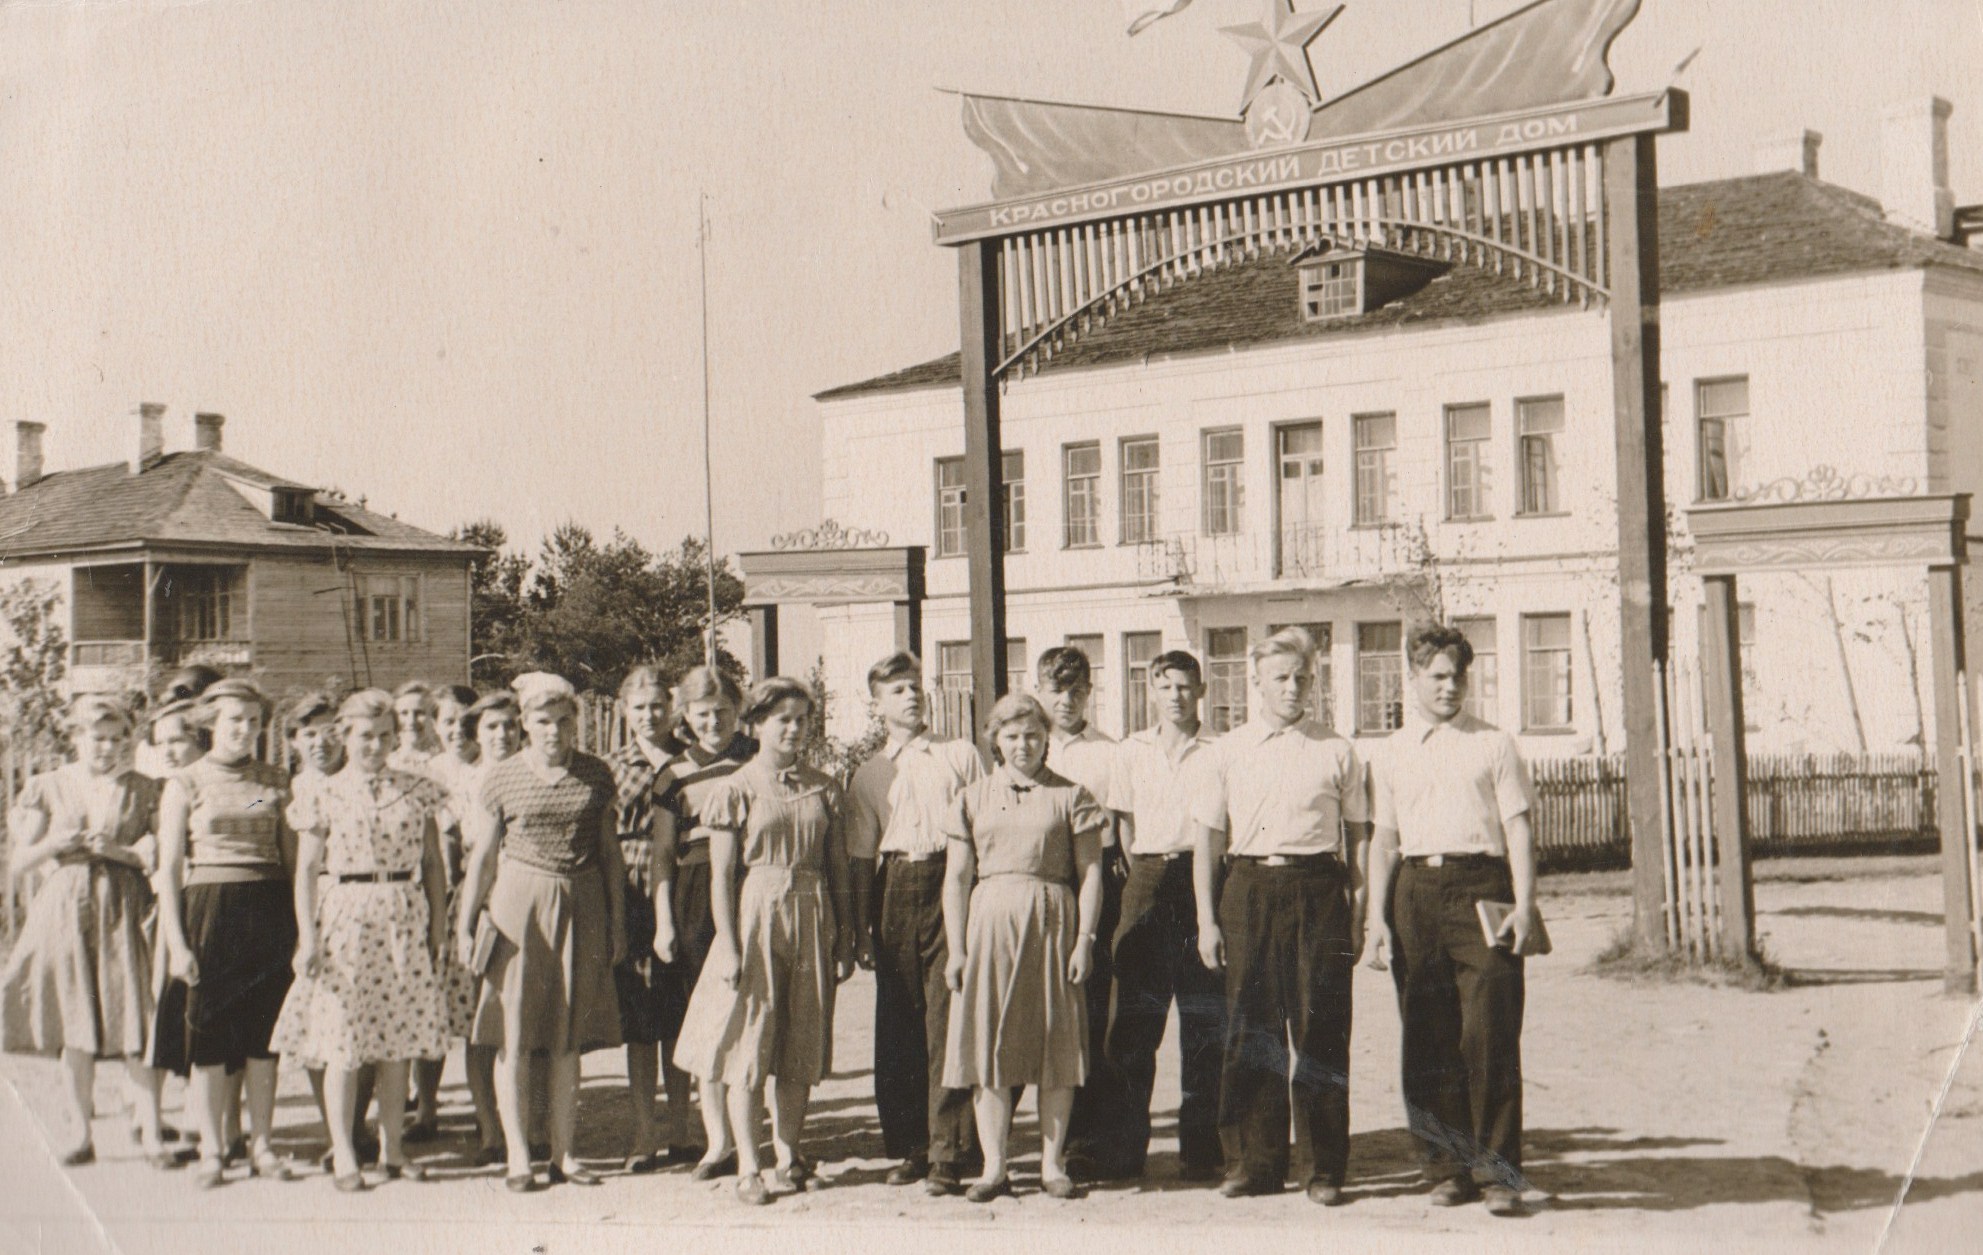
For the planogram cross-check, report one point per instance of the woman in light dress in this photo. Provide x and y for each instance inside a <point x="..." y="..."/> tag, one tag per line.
<point x="762" y="1012"/>
<point x="79" y="981"/>
<point x="1022" y="891"/>
<point x="368" y="988"/>
<point x="453" y="767"/>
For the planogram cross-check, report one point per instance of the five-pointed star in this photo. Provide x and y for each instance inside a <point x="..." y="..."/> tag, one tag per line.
<point x="1279" y="46"/>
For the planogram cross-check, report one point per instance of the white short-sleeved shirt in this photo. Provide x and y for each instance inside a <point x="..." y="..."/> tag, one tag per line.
<point x="1285" y="791"/>
<point x="1088" y="759"/>
<point x="900" y="799"/>
<point x="1153" y="787"/>
<point x="1449" y="788"/>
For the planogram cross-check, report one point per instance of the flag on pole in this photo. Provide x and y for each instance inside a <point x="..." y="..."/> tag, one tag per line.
<point x="1141" y="13"/>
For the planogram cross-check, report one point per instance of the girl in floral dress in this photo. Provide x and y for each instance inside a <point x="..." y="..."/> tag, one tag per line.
<point x="763" y="1009"/>
<point x="368" y="990"/>
<point x="79" y="982"/>
<point x="451" y="768"/>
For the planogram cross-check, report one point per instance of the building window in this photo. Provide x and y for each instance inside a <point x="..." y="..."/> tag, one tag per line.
<point x="204" y="600"/>
<point x="389" y="607"/>
<point x="1015" y="665"/>
<point x="1467" y="431"/>
<point x="1484" y="676"/>
<point x="1225" y="678"/>
<point x="1081" y="495"/>
<point x="1139" y="490"/>
<point x="1380" y="677"/>
<point x="1546" y="672"/>
<point x="1225" y="490"/>
<point x="1013" y="471"/>
<point x="1298" y="500"/>
<point x="1376" y="441"/>
<point x="1329" y="290"/>
<point x="953" y="666"/>
<point x="1138" y="648"/>
<point x="1538" y="423"/>
<point x="949" y="507"/>
<point x="1322" y="703"/>
<point x="1723" y="406"/>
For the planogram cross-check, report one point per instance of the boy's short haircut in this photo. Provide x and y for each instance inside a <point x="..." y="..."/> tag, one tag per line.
<point x="1064" y="667"/>
<point x="1429" y="640"/>
<point x="897" y="665"/>
<point x="1177" y="660"/>
<point x="1289" y="641"/>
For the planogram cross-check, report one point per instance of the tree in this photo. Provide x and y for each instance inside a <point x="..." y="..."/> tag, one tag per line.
<point x="496" y="604"/>
<point x="32" y="666"/>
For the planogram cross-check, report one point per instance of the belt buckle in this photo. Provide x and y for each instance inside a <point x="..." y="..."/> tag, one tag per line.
<point x="1435" y="860"/>
<point x="1277" y="860"/>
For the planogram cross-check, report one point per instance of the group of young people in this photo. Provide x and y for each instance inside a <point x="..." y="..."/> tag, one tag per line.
<point x="439" y="865"/>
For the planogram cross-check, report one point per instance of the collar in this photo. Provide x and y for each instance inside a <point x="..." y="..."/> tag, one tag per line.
<point x="920" y="743"/>
<point x="1259" y="731"/>
<point x="1421" y="729"/>
<point x="1153" y="737"/>
<point x="1017" y="784"/>
<point x="1055" y="737"/>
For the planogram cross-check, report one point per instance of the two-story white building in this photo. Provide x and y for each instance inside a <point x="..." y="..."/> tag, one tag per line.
<point x="1353" y="441"/>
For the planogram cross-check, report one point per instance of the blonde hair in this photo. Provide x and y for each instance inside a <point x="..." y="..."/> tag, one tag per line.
<point x="1288" y="642"/>
<point x="1010" y="709"/>
<point x="365" y="704"/>
<point x="700" y="684"/>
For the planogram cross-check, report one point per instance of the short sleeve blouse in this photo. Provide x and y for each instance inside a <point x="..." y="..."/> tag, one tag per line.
<point x="783" y="819"/>
<point x="552" y="825"/>
<point x="1020" y="827"/>
<point x="123" y="804"/>
<point x="369" y="823"/>
<point x="236" y="816"/>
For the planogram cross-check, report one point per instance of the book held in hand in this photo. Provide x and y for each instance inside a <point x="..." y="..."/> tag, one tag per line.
<point x="1494" y="914"/>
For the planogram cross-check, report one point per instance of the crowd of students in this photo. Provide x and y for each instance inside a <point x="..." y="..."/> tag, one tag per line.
<point x="437" y="865"/>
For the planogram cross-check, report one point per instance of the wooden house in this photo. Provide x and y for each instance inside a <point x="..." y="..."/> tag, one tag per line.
<point x="193" y="556"/>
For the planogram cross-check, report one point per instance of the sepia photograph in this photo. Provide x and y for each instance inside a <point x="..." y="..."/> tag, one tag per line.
<point x="987" y="625"/>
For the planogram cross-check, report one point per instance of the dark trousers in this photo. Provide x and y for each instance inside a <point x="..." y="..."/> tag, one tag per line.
<point x="1461" y="1002"/>
<point x="1096" y="1110"/>
<point x="1288" y="968"/>
<point x="919" y="1117"/>
<point x="1156" y="960"/>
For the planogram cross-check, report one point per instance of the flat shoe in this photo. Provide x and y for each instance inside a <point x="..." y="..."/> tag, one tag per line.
<point x="523" y="1183"/>
<point x="210" y="1174"/>
<point x="640" y="1165"/>
<point x="1453" y="1192"/>
<point x="1248" y="1187"/>
<point x="164" y="1160"/>
<point x="81" y="1156"/>
<point x="490" y="1156"/>
<point x="420" y="1131"/>
<point x="350" y="1183"/>
<point x="1325" y="1194"/>
<point x="751" y="1190"/>
<point x="1057" y="1187"/>
<point x="986" y="1191"/>
<point x="908" y="1172"/>
<point x="557" y="1174"/>
<point x="1503" y="1201"/>
<point x="236" y="1149"/>
<point x="710" y="1169"/>
<point x="682" y="1156"/>
<point x="271" y="1167"/>
<point x="405" y="1172"/>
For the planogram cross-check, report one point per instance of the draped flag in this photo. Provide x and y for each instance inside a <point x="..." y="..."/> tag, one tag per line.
<point x="1141" y="13"/>
<point x="1548" y="53"/>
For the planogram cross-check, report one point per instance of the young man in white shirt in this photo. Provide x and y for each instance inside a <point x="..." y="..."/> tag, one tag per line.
<point x="1280" y="810"/>
<point x="897" y="807"/>
<point x="1155" y="947"/>
<point x="1451" y="804"/>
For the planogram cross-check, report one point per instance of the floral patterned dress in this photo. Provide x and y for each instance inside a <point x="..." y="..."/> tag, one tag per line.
<point x="376" y="996"/>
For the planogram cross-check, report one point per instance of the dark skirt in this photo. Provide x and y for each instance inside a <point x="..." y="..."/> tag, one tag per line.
<point x="243" y="938"/>
<point x="642" y="981"/>
<point x="695" y="933"/>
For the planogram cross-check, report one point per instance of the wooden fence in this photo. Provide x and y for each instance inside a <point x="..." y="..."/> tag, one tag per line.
<point x="1797" y="804"/>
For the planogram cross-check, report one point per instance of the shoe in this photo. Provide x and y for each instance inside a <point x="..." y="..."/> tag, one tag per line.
<point x="236" y="1149"/>
<point x="558" y="1174"/>
<point x="1239" y="1185"/>
<point x="942" y="1182"/>
<point x="420" y="1131"/>
<point x="986" y="1191"/>
<point x="710" y="1169"/>
<point x="751" y="1190"/>
<point x="679" y="1156"/>
<point x="351" y="1183"/>
<point x="164" y="1160"/>
<point x="367" y="1150"/>
<point x="271" y="1167"/>
<point x="1503" y="1201"/>
<point x="909" y="1171"/>
<point x="1200" y="1172"/>
<point x="210" y="1175"/>
<point x="406" y="1172"/>
<point x="81" y="1156"/>
<point x="522" y="1183"/>
<point x="490" y="1156"/>
<point x="1325" y="1194"/>
<point x="1453" y="1192"/>
<point x="1058" y="1187"/>
<point x="641" y="1165"/>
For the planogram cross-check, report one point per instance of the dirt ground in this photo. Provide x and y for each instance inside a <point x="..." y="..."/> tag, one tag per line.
<point x="1659" y="1117"/>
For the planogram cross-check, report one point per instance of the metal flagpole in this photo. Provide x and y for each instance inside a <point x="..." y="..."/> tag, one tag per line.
<point x="708" y="479"/>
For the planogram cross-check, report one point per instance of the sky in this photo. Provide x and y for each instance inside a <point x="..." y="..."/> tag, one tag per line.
<point x="444" y="255"/>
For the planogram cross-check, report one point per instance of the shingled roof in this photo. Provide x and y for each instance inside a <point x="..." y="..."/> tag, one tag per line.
<point x="1767" y="228"/>
<point x="186" y="499"/>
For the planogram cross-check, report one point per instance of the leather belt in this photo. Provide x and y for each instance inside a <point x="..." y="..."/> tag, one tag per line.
<point x="1171" y="857"/>
<point x="1310" y="862"/>
<point x="1463" y="860"/>
<point x="903" y="856"/>
<point x="349" y="878"/>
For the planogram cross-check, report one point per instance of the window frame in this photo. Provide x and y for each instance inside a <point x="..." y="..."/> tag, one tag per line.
<point x="1012" y="498"/>
<point x="1532" y="676"/>
<point x="1482" y="706"/>
<point x="1236" y="465"/>
<point x="1730" y="463"/>
<point x="1383" y="454"/>
<point x="959" y="489"/>
<point x="1136" y="700"/>
<point x="1525" y="506"/>
<point x="1146" y="487"/>
<point x="1220" y="682"/>
<point x="1393" y="682"/>
<point x="406" y="614"/>
<point x="1480" y="487"/>
<point x="1325" y="297"/>
<point x="1086" y="484"/>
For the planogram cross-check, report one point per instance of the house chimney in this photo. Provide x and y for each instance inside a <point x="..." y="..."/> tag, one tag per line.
<point x="27" y="453"/>
<point x="1914" y="166"/>
<point x="1793" y="150"/>
<point x="151" y="436"/>
<point x="206" y="432"/>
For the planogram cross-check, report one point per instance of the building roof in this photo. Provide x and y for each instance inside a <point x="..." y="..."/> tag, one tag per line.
<point x="1767" y="228"/>
<point x="187" y="499"/>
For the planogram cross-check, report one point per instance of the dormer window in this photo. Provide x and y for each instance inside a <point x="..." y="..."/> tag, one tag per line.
<point x="291" y="505"/>
<point x="1342" y="282"/>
